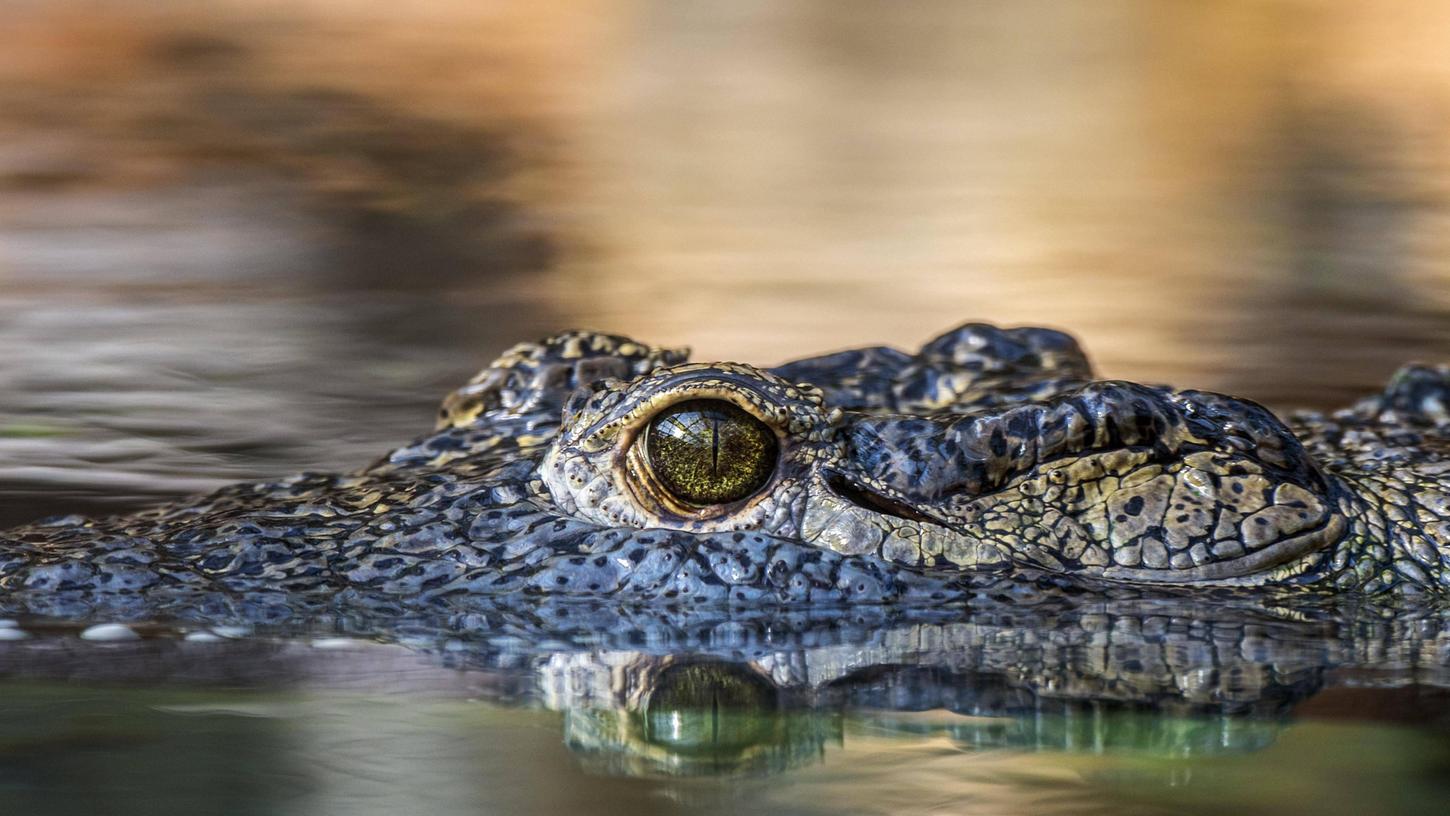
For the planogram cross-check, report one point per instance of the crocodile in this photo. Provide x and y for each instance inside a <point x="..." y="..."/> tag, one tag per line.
<point x="992" y="460"/>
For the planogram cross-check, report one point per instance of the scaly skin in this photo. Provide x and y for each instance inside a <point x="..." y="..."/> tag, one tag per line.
<point x="990" y="460"/>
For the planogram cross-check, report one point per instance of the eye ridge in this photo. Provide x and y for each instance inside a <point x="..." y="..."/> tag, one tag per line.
<point x="708" y="452"/>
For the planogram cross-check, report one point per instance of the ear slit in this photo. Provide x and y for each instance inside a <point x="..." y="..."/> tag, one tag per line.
<point x="875" y="501"/>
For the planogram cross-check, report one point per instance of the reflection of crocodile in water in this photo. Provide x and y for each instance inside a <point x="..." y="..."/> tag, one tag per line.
<point x="712" y="690"/>
<point x="590" y="465"/>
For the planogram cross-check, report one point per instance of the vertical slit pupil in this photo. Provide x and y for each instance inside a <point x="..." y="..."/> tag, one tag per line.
<point x="715" y="446"/>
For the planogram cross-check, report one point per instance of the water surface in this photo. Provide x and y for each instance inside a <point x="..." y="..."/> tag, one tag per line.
<point x="1140" y="706"/>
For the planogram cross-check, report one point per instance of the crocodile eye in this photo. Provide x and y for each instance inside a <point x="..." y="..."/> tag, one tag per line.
<point x="708" y="452"/>
<point x="711" y="710"/>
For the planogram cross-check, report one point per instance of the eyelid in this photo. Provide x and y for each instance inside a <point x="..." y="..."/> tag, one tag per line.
<point x="624" y="428"/>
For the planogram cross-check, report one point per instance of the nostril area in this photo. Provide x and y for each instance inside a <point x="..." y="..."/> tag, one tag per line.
<point x="875" y="502"/>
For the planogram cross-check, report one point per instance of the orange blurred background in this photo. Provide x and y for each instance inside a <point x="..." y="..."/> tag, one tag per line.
<point x="241" y="238"/>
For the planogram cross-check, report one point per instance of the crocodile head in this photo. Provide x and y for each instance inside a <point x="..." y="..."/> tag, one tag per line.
<point x="593" y="466"/>
<point x="1103" y="480"/>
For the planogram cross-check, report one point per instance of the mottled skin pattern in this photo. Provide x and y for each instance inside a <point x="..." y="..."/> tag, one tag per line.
<point x="989" y="461"/>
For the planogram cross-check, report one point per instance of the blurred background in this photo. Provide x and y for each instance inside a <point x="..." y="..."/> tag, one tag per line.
<point x="239" y="238"/>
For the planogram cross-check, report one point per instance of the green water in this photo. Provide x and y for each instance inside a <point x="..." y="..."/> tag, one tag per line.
<point x="86" y="750"/>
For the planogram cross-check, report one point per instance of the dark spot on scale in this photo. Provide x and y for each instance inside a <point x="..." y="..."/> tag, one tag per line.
<point x="737" y="537"/>
<point x="1018" y="425"/>
<point x="560" y="580"/>
<point x="1238" y="487"/>
<point x="1181" y="519"/>
<point x="998" y="442"/>
<point x="1261" y="521"/>
<point x="1134" y="506"/>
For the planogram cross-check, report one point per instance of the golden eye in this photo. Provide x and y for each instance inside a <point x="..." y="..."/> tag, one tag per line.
<point x="709" y="452"/>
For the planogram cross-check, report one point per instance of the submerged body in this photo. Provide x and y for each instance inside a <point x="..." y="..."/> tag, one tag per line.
<point x="593" y="466"/>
